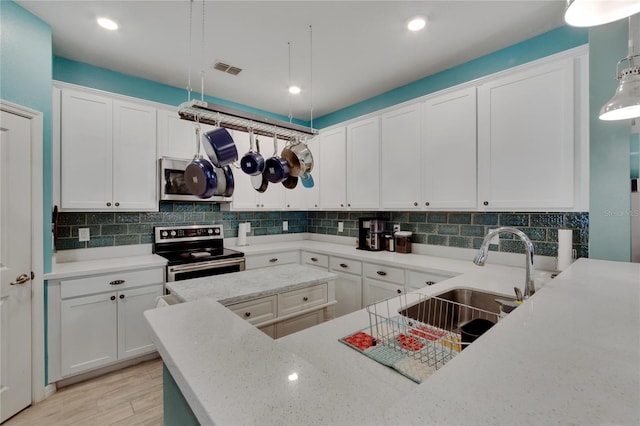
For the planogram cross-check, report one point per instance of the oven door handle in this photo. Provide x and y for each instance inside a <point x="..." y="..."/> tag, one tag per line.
<point x="204" y="265"/>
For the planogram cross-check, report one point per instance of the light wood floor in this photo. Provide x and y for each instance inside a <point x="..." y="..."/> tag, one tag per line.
<point x="132" y="396"/>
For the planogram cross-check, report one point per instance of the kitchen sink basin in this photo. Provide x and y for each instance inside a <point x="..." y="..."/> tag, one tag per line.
<point x="455" y="307"/>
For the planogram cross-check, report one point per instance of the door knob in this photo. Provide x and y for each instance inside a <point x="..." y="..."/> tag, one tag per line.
<point x="21" y="279"/>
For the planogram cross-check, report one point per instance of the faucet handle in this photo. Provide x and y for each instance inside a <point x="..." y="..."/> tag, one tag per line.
<point x="519" y="297"/>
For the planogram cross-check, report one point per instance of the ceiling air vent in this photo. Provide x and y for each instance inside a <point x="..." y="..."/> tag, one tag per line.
<point x="221" y="66"/>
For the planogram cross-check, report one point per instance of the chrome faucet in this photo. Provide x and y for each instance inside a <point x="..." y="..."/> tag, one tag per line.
<point x="529" y="287"/>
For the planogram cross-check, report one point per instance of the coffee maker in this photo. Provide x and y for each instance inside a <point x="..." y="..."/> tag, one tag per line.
<point x="371" y="233"/>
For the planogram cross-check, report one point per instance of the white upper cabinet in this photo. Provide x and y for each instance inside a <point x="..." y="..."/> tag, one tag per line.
<point x="526" y="139"/>
<point x="401" y="158"/>
<point x="301" y="197"/>
<point x="176" y="137"/>
<point x="449" y="151"/>
<point x="363" y="164"/>
<point x="332" y="169"/>
<point x="107" y="153"/>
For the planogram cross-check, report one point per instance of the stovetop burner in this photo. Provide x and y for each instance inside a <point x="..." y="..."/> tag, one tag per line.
<point x="191" y="244"/>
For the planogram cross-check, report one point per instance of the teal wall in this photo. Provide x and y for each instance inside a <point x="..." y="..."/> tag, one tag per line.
<point x="551" y="42"/>
<point x="609" y="210"/>
<point x="25" y="79"/>
<point x="103" y="79"/>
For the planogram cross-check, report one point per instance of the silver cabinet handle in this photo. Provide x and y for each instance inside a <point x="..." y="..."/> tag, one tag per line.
<point x="344" y="265"/>
<point x="381" y="273"/>
<point x="273" y="259"/>
<point x="21" y="279"/>
<point x="314" y="259"/>
<point x="116" y="282"/>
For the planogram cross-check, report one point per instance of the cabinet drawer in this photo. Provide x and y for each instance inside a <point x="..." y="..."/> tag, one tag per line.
<point x="110" y="282"/>
<point x="256" y="311"/>
<point x="264" y="260"/>
<point x="384" y="273"/>
<point x="349" y="266"/>
<point x="314" y="259"/>
<point x="299" y="300"/>
<point x="417" y="280"/>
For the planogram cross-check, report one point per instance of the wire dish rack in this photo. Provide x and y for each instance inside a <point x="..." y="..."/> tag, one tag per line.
<point x="426" y="330"/>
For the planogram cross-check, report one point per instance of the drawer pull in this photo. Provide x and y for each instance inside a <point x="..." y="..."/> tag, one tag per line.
<point x="273" y="260"/>
<point x="314" y="259"/>
<point x="381" y="273"/>
<point x="429" y="282"/>
<point x="305" y="299"/>
<point x="112" y="298"/>
<point x="116" y="282"/>
<point x="247" y="314"/>
<point x="399" y="291"/>
<point x="344" y="265"/>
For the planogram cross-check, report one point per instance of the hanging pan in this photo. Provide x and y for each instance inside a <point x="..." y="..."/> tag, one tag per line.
<point x="225" y="181"/>
<point x="299" y="157"/>
<point x="219" y="146"/>
<point x="199" y="175"/>
<point x="252" y="163"/>
<point x="276" y="169"/>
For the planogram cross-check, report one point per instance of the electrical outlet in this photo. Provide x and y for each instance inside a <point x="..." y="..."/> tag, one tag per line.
<point x="340" y="226"/>
<point x="396" y="227"/>
<point x="285" y="225"/>
<point x="495" y="240"/>
<point x="84" y="234"/>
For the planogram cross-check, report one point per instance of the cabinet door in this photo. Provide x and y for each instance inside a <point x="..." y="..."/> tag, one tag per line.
<point x="375" y="291"/>
<point x="85" y="150"/>
<point x="88" y="333"/>
<point x="303" y="198"/>
<point x="333" y="169"/>
<point x="525" y="139"/>
<point x="401" y="160"/>
<point x="289" y="326"/>
<point x="363" y="164"/>
<point x="134" y="157"/>
<point x="348" y="294"/>
<point x="449" y="151"/>
<point x="176" y="137"/>
<point x="133" y="331"/>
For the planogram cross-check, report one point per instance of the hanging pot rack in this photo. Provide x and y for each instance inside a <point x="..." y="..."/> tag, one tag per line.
<point x="231" y="118"/>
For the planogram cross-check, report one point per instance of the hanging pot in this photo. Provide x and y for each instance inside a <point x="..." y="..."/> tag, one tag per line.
<point x="290" y="182"/>
<point x="307" y="180"/>
<point x="252" y="163"/>
<point x="199" y="175"/>
<point x="226" y="182"/>
<point x="259" y="182"/>
<point x="276" y="169"/>
<point x="299" y="157"/>
<point x="219" y="146"/>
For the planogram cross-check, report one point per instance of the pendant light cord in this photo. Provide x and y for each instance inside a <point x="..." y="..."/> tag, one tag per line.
<point x="311" y="74"/>
<point x="189" y="50"/>
<point x="289" y="97"/>
<point x="202" y="57"/>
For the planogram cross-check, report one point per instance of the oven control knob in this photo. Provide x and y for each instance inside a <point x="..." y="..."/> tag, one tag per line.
<point x="173" y="233"/>
<point x="164" y="234"/>
<point x="211" y="231"/>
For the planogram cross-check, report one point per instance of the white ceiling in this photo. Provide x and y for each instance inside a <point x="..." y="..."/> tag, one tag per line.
<point x="360" y="48"/>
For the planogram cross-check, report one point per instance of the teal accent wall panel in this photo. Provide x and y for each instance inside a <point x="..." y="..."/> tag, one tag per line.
<point x="609" y="210"/>
<point x="176" y="408"/>
<point x="25" y="79"/>
<point x="551" y="42"/>
<point x="87" y="75"/>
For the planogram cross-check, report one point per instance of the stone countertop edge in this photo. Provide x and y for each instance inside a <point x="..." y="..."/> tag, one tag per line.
<point x="247" y="285"/>
<point x="104" y="266"/>
<point x="525" y="370"/>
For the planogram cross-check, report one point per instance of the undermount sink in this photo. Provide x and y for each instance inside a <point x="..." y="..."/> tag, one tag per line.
<point x="451" y="309"/>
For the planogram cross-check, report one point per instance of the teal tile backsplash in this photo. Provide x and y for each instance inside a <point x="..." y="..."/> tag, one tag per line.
<point x="454" y="229"/>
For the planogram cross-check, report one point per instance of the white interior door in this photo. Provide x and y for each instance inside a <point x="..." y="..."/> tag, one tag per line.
<point x="15" y="264"/>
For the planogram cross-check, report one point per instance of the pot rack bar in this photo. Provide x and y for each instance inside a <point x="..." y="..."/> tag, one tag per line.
<point x="231" y="118"/>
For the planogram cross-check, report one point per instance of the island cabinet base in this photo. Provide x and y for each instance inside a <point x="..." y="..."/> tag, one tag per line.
<point x="176" y="407"/>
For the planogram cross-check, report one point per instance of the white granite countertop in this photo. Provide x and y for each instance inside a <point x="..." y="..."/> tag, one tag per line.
<point x="568" y="355"/>
<point x="246" y="285"/>
<point x="104" y="266"/>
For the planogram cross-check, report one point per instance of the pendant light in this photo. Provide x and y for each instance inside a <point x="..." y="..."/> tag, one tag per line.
<point x="625" y="103"/>
<point x="587" y="13"/>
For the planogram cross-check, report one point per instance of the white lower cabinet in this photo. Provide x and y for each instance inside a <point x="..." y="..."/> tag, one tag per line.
<point x="348" y="284"/>
<point x="98" y="320"/>
<point x="315" y="260"/>
<point x="382" y="282"/>
<point x="288" y="312"/>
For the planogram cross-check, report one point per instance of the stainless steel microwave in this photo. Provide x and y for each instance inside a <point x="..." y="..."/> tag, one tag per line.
<point x="173" y="186"/>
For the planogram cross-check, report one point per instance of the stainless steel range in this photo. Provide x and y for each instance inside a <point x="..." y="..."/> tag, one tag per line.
<point x="195" y="251"/>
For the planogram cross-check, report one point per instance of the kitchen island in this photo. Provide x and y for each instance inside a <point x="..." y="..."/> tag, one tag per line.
<point x="568" y="355"/>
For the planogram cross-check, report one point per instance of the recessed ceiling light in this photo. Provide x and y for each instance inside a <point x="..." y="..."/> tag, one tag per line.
<point x="108" y="24"/>
<point x="294" y="90"/>
<point x="416" y="23"/>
